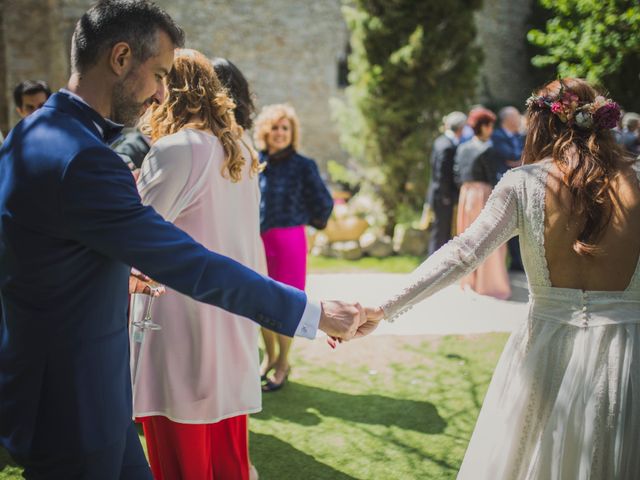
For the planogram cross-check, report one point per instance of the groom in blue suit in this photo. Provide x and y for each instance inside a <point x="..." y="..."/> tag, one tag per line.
<point x="71" y="227"/>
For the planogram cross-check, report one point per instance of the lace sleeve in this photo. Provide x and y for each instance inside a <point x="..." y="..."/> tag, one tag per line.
<point x="497" y="223"/>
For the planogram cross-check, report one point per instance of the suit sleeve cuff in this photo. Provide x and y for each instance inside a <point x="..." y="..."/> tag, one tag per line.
<point x="308" y="326"/>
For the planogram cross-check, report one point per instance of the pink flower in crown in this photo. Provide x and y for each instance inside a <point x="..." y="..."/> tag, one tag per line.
<point x="557" y="108"/>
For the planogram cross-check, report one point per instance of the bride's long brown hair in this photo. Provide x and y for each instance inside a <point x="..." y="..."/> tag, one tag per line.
<point x="589" y="160"/>
<point x="194" y="90"/>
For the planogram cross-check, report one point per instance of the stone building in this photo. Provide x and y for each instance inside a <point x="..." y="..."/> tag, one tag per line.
<point x="289" y="50"/>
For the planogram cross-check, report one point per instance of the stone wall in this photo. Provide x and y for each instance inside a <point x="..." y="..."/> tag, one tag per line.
<point x="33" y="46"/>
<point x="289" y="51"/>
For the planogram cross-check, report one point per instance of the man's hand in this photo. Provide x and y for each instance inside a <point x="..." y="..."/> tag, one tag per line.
<point x="374" y="315"/>
<point x="140" y="283"/>
<point x="341" y="320"/>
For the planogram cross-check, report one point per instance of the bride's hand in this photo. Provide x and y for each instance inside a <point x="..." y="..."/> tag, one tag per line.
<point x="374" y="315"/>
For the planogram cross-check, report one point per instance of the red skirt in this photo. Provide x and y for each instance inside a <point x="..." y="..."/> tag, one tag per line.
<point x="211" y="451"/>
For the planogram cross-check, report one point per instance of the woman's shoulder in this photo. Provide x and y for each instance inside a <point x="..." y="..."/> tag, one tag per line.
<point x="178" y="139"/>
<point x="464" y="147"/>
<point x="172" y="152"/>
<point x="470" y="150"/>
<point x="530" y="174"/>
<point x="304" y="162"/>
<point x="303" y="159"/>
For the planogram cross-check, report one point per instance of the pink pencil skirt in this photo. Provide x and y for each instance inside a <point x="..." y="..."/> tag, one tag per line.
<point x="286" y="251"/>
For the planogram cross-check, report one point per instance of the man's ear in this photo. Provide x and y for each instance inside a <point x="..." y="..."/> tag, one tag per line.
<point x="120" y="58"/>
<point x="19" y="110"/>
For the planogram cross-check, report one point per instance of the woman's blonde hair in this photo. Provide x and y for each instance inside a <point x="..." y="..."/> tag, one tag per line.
<point x="271" y="114"/>
<point x="194" y="90"/>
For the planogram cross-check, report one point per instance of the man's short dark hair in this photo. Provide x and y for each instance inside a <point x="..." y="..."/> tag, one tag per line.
<point x="108" y="22"/>
<point x="30" y="87"/>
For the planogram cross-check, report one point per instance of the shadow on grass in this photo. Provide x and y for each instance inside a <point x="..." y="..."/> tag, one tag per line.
<point x="298" y="402"/>
<point x="276" y="459"/>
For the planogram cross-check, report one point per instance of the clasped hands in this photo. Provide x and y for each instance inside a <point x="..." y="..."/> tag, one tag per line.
<point x="342" y="321"/>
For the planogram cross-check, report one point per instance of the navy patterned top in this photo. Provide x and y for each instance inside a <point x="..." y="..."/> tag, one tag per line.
<point x="293" y="192"/>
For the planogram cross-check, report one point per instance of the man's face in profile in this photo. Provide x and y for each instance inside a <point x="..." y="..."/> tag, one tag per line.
<point x="143" y="85"/>
<point x="31" y="102"/>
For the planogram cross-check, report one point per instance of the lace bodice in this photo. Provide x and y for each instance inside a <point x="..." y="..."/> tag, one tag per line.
<point x="516" y="207"/>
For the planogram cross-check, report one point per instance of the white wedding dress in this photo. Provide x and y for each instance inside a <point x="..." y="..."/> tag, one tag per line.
<point x="564" y="401"/>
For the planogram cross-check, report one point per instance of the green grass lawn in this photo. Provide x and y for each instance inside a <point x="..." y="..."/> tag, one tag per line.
<point x="379" y="408"/>
<point x="393" y="264"/>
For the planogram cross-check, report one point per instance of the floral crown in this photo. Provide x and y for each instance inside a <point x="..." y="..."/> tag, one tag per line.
<point x="601" y="114"/>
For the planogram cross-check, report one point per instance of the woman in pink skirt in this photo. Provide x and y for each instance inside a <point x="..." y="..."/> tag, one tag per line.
<point x="476" y="169"/>
<point x="293" y="195"/>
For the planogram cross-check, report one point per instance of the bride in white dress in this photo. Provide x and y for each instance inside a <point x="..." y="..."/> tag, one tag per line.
<point x="564" y="401"/>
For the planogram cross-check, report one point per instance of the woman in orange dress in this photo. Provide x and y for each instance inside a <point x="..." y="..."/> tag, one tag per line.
<point x="476" y="170"/>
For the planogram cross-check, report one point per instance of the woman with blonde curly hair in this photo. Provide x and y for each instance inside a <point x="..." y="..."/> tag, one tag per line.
<point x="293" y="195"/>
<point x="197" y="379"/>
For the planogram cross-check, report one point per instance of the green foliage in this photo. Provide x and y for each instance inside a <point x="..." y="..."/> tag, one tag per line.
<point x="346" y="178"/>
<point x="411" y="63"/>
<point x="595" y="39"/>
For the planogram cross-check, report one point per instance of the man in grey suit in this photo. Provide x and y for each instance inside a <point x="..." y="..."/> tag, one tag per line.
<point x="443" y="192"/>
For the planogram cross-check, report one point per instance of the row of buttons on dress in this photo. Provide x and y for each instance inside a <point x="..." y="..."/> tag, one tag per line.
<point x="585" y="314"/>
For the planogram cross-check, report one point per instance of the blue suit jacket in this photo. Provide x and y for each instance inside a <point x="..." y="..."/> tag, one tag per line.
<point x="506" y="148"/>
<point x="71" y="226"/>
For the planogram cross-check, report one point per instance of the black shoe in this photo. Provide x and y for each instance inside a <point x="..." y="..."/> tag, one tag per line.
<point x="271" y="386"/>
<point x="263" y="377"/>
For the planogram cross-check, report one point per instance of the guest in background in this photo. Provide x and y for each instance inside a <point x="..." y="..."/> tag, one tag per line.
<point x="293" y="195"/>
<point x="197" y="379"/>
<point x="443" y="191"/>
<point x="237" y="86"/>
<point x="132" y="147"/>
<point x="507" y="140"/>
<point x="508" y="143"/>
<point x="234" y="81"/>
<point x="630" y="135"/>
<point x="476" y="167"/>
<point x="30" y="95"/>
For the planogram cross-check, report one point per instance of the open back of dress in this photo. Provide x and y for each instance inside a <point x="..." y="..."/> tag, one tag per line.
<point x="564" y="401"/>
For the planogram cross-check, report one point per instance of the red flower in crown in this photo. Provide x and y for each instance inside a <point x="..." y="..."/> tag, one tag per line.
<point x="607" y="116"/>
